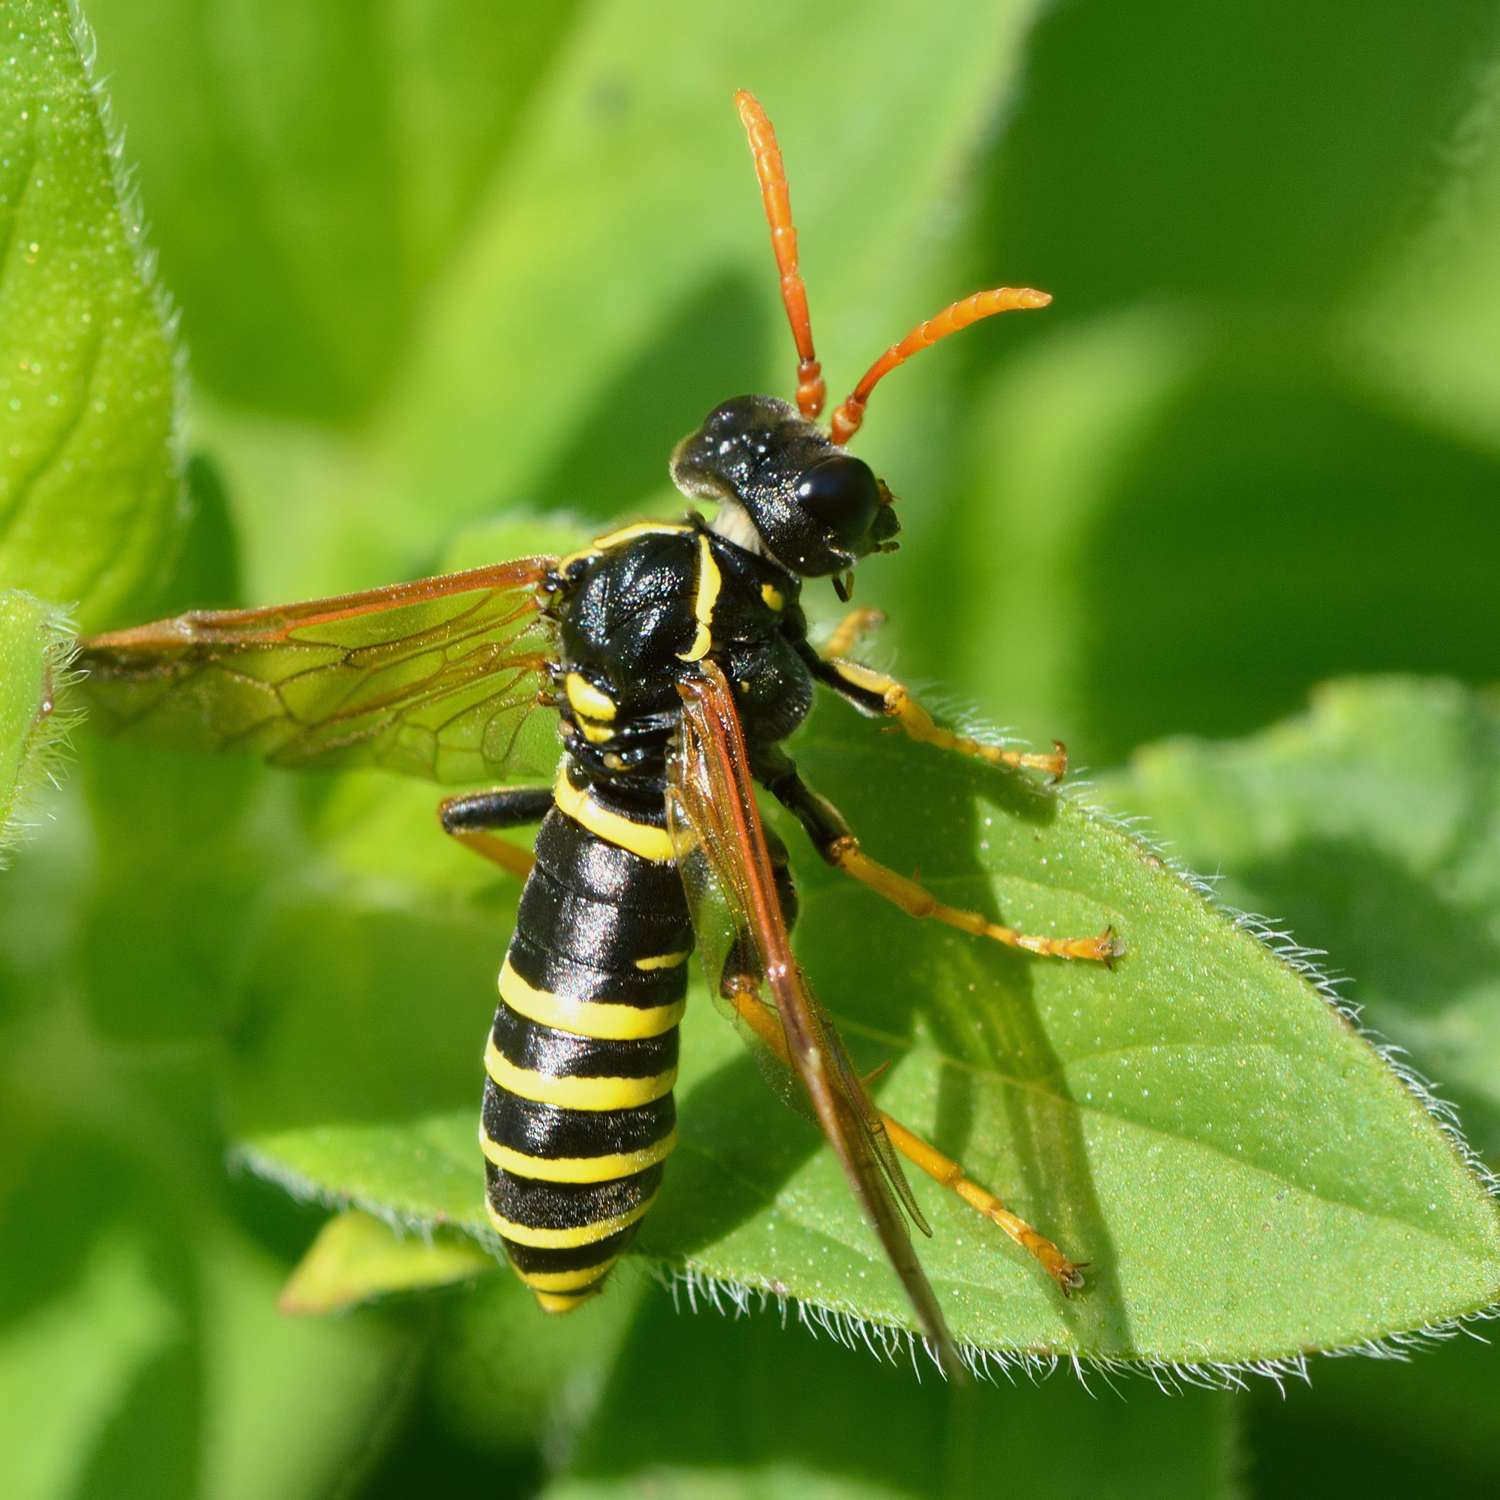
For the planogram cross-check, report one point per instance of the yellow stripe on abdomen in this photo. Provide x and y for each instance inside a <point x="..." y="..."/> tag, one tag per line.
<point x="570" y="1238"/>
<point x="568" y="1281"/>
<point x="644" y="839"/>
<point x="577" y="1168"/>
<point x="597" y="1018"/>
<point x="571" y="1092"/>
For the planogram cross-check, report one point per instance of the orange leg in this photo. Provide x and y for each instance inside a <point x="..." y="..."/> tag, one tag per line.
<point x="916" y="722"/>
<point x="743" y="994"/>
<point x="916" y="901"/>
<point x="835" y="841"/>
<point x="874" y="693"/>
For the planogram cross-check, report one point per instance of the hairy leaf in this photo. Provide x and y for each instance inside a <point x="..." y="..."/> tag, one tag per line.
<point x="820" y="1420"/>
<point x="1246" y="1176"/>
<point x="1369" y="826"/>
<point x="606" y="278"/>
<point x="33" y="660"/>
<point x="89" y="477"/>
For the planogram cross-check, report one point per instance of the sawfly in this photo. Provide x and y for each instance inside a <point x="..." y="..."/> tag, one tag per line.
<point x="677" y="660"/>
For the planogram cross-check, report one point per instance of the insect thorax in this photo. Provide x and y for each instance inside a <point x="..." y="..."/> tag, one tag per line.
<point x="637" y="611"/>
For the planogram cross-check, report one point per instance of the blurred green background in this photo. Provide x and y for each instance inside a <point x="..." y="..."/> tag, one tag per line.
<point x="440" y="260"/>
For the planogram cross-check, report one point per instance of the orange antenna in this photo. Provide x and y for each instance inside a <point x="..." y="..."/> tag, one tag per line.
<point x="778" y="206"/>
<point x="847" y="419"/>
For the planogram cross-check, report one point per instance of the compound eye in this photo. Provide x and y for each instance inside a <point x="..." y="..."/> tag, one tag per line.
<point x="842" y="493"/>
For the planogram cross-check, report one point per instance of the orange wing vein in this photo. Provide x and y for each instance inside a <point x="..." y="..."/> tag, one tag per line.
<point x="434" y="678"/>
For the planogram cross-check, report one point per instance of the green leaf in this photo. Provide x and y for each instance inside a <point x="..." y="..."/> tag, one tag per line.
<point x="356" y="1258"/>
<point x="596" y="226"/>
<point x="1400" y="1427"/>
<point x="1263" y="404"/>
<point x="751" y="1408"/>
<point x="1275" y="203"/>
<point x="505" y="1372"/>
<point x="1437" y="365"/>
<point x="323" y="160"/>
<point x="323" y="1387"/>
<point x="1134" y="448"/>
<point x="356" y="1079"/>
<point x="64" y="1369"/>
<point x="1370" y="826"/>
<point x="34" y="648"/>
<point x="495" y="261"/>
<point x="1247" y="1178"/>
<point x="89" y="475"/>
<point x="173" y="835"/>
<point x="140" y="1348"/>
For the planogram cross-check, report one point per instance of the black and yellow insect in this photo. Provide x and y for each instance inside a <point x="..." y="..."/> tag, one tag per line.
<point x="678" y="660"/>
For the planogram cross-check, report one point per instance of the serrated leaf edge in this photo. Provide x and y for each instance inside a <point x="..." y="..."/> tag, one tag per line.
<point x="895" y="1344"/>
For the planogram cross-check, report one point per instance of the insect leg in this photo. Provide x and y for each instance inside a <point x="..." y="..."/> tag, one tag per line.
<point x="835" y="841"/>
<point x="876" y="694"/>
<point x="850" y="630"/>
<point x="743" y="993"/>
<point x="471" y="817"/>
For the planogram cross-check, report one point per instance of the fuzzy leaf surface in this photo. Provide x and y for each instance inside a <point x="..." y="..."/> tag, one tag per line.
<point x="1247" y="1178"/>
<point x="1370" y="825"/>
<point x="89" y="481"/>
<point x="33" y="655"/>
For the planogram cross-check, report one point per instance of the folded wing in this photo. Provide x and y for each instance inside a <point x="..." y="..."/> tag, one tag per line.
<point x="743" y="937"/>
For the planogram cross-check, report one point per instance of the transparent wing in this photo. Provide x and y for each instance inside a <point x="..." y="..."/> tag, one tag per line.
<point x="727" y="870"/>
<point x="434" y="678"/>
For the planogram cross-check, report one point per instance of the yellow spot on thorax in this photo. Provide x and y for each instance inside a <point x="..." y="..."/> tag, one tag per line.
<point x="588" y="700"/>
<point x="773" y="596"/>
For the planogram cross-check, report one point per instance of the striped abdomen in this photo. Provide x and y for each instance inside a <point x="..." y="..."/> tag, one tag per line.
<point x="578" y="1112"/>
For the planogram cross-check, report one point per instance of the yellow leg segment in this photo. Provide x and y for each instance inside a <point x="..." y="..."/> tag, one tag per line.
<point x="882" y="694"/>
<point x="743" y="994"/>
<point x="949" y="1174"/>
<point x="917" y="901"/>
<point x="855" y="625"/>
<point x="916" y="722"/>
